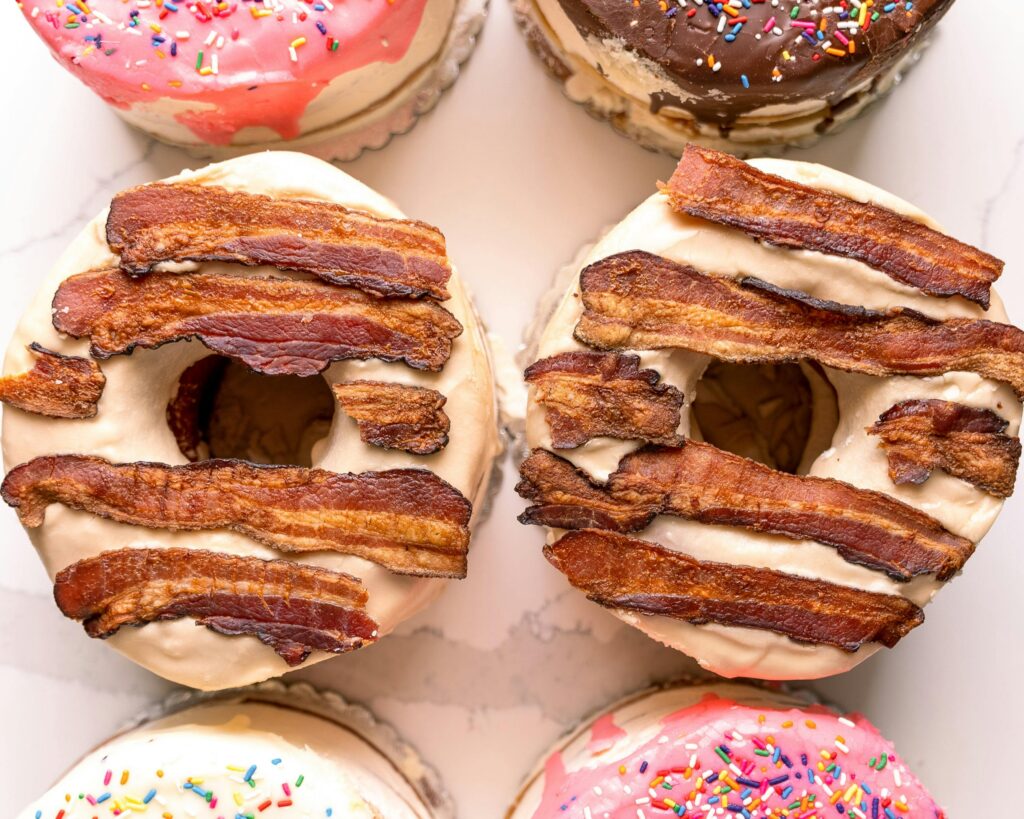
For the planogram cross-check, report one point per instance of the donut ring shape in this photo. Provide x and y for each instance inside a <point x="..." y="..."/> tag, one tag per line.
<point x="131" y="426"/>
<point x="851" y="456"/>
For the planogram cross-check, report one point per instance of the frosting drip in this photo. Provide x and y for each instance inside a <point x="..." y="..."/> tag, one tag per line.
<point x="723" y="60"/>
<point x="227" y="65"/>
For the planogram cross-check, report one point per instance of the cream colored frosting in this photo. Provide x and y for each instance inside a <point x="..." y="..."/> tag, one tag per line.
<point x="214" y="746"/>
<point x="853" y="456"/>
<point x="131" y="426"/>
<point x="618" y="84"/>
<point x="354" y="97"/>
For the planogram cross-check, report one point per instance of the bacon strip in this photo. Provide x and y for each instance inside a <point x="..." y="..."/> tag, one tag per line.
<point x="407" y="520"/>
<point x="966" y="442"/>
<point x="204" y="223"/>
<point x="396" y="416"/>
<point x="700" y="482"/>
<point x="639" y="301"/>
<point x="293" y="608"/>
<point x="275" y="326"/>
<point x="188" y="411"/>
<point x="720" y="188"/>
<point x="586" y="395"/>
<point x="626" y="573"/>
<point x="59" y="386"/>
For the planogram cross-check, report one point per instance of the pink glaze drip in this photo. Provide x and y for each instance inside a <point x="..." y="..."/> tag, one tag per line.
<point x="257" y="82"/>
<point x="604" y="734"/>
<point x="688" y="758"/>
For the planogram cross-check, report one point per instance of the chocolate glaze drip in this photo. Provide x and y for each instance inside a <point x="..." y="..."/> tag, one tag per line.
<point x="677" y="42"/>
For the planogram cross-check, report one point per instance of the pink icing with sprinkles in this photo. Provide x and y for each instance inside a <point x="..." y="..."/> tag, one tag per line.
<point x="239" y="62"/>
<point x="719" y="758"/>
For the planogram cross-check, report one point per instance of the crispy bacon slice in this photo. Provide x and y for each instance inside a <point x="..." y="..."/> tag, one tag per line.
<point x="626" y="573"/>
<point x="396" y="416"/>
<point x="586" y="395"/>
<point x="189" y="409"/>
<point x="275" y="326"/>
<point x="291" y="607"/>
<point x="639" y="301"/>
<point x="718" y="187"/>
<point x="407" y="520"/>
<point x="700" y="482"/>
<point x="920" y="436"/>
<point x="565" y="497"/>
<point x="203" y="223"/>
<point x="59" y="386"/>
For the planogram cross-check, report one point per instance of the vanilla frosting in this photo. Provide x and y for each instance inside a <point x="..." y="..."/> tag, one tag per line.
<point x="722" y="748"/>
<point x="131" y="426"/>
<point x="851" y="456"/>
<point x="231" y="759"/>
<point x="242" y="74"/>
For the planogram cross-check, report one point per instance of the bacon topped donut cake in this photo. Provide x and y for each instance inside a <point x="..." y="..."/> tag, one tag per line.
<point x="253" y="398"/>
<point x="740" y="75"/>
<point x="775" y="411"/>
<point x="215" y="73"/>
<point x="723" y="749"/>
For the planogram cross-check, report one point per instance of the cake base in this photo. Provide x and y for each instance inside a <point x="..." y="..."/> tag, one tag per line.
<point x="421" y="778"/>
<point x="670" y="133"/>
<point x="372" y="128"/>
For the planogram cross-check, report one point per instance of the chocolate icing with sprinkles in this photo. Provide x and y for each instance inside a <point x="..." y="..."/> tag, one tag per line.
<point x="730" y="58"/>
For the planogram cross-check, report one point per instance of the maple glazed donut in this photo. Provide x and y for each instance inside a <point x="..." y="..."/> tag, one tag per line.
<point x="718" y="749"/>
<point x="252" y="397"/>
<point x="735" y="75"/>
<point x="269" y="752"/>
<point x="246" y="75"/>
<point x="774" y="412"/>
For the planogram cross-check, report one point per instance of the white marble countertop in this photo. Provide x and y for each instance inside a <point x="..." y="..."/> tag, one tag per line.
<point x="518" y="178"/>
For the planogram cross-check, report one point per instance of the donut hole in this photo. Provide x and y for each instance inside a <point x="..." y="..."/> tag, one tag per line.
<point x="222" y="409"/>
<point x="781" y="415"/>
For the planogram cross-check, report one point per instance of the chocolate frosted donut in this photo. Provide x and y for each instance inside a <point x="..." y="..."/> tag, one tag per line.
<point x="741" y="75"/>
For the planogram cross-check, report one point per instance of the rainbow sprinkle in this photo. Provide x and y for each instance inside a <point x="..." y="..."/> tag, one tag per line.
<point x="811" y="29"/>
<point x="750" y="775"/>
<point x="251" y="795"/>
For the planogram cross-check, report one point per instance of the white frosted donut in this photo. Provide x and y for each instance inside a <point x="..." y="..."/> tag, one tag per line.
<point x="131" y="426"/>
<point x="242" y="757"/>
<point x="851" y="456"/>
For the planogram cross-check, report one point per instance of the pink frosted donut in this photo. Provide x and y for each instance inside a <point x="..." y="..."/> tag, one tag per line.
<point x="246" y="72"/>
<point x="723" y="749"/>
